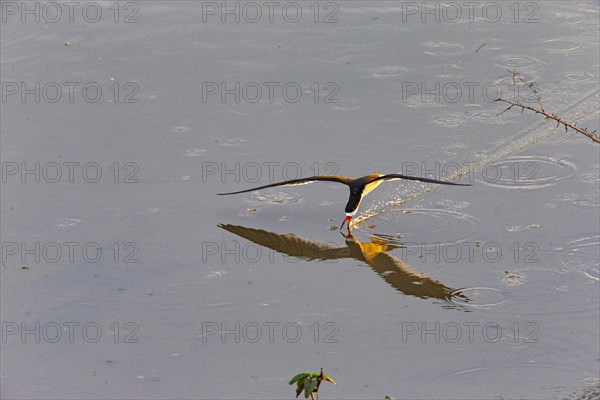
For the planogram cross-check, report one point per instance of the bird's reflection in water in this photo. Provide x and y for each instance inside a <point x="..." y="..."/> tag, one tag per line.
<point x="394" y="271"/>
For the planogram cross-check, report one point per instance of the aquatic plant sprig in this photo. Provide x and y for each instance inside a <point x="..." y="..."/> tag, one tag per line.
<point x="309" y="382"/>
<point x="516" y="77"/>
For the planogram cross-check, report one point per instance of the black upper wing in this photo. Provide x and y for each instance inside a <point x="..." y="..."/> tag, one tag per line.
<point x="417" y="178"/>
<point x="302" y="181"/>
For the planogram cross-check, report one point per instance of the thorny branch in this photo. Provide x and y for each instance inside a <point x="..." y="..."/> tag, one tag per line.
<point x="516" y="77"/>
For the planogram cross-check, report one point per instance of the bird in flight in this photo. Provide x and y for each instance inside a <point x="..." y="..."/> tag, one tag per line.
<point x="359" y="187"/>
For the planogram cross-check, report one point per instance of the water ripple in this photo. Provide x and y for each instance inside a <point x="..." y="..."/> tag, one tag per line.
<point x="559" y="88"/>
<point x="522" y="172"/>
<point x="512" y="278"/>
<point x="518" y="62"/>
<point x="488" y="117"/>
<point x="180" y="129"/>
<point x="422" y="101"/>
<point x="480" y="297"/>
<point x="578" y="77"/>
<point x="388" y="71"/>
<point x="194" y="152"/>
<point x="583" y="200"/>
<point x="527" y="379"/>
<point x="566" y="137"/>
<point x="216" y="274"/>
<point x="444" y="49"/>
<point x="277" y="197"/>
<point x="583" y="255"/>
<point x="428" y="227"/>
<point x="449" y="120"/>
<point x="585" y="24"/>
<point x="593" y="176"/>
<point x="63" y="223"/>
<point x="560" y="45"/>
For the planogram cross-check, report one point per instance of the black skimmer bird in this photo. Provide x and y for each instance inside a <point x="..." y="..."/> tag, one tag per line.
<point x="359" y="187"/>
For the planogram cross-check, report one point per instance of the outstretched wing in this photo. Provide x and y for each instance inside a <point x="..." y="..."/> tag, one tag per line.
<point x="417" y="178"/>
<point x="294" y="182"/>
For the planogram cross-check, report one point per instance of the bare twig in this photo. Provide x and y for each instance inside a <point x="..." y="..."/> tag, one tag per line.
<point x="516" y="77"/>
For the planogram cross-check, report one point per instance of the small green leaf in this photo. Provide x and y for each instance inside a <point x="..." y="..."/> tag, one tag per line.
<point x="298" y="377"/>
<point x="300" y="387"/>
<point x="309" y="388"/>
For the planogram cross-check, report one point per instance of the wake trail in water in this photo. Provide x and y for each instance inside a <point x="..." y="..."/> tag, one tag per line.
<point x="542" y="129"/>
